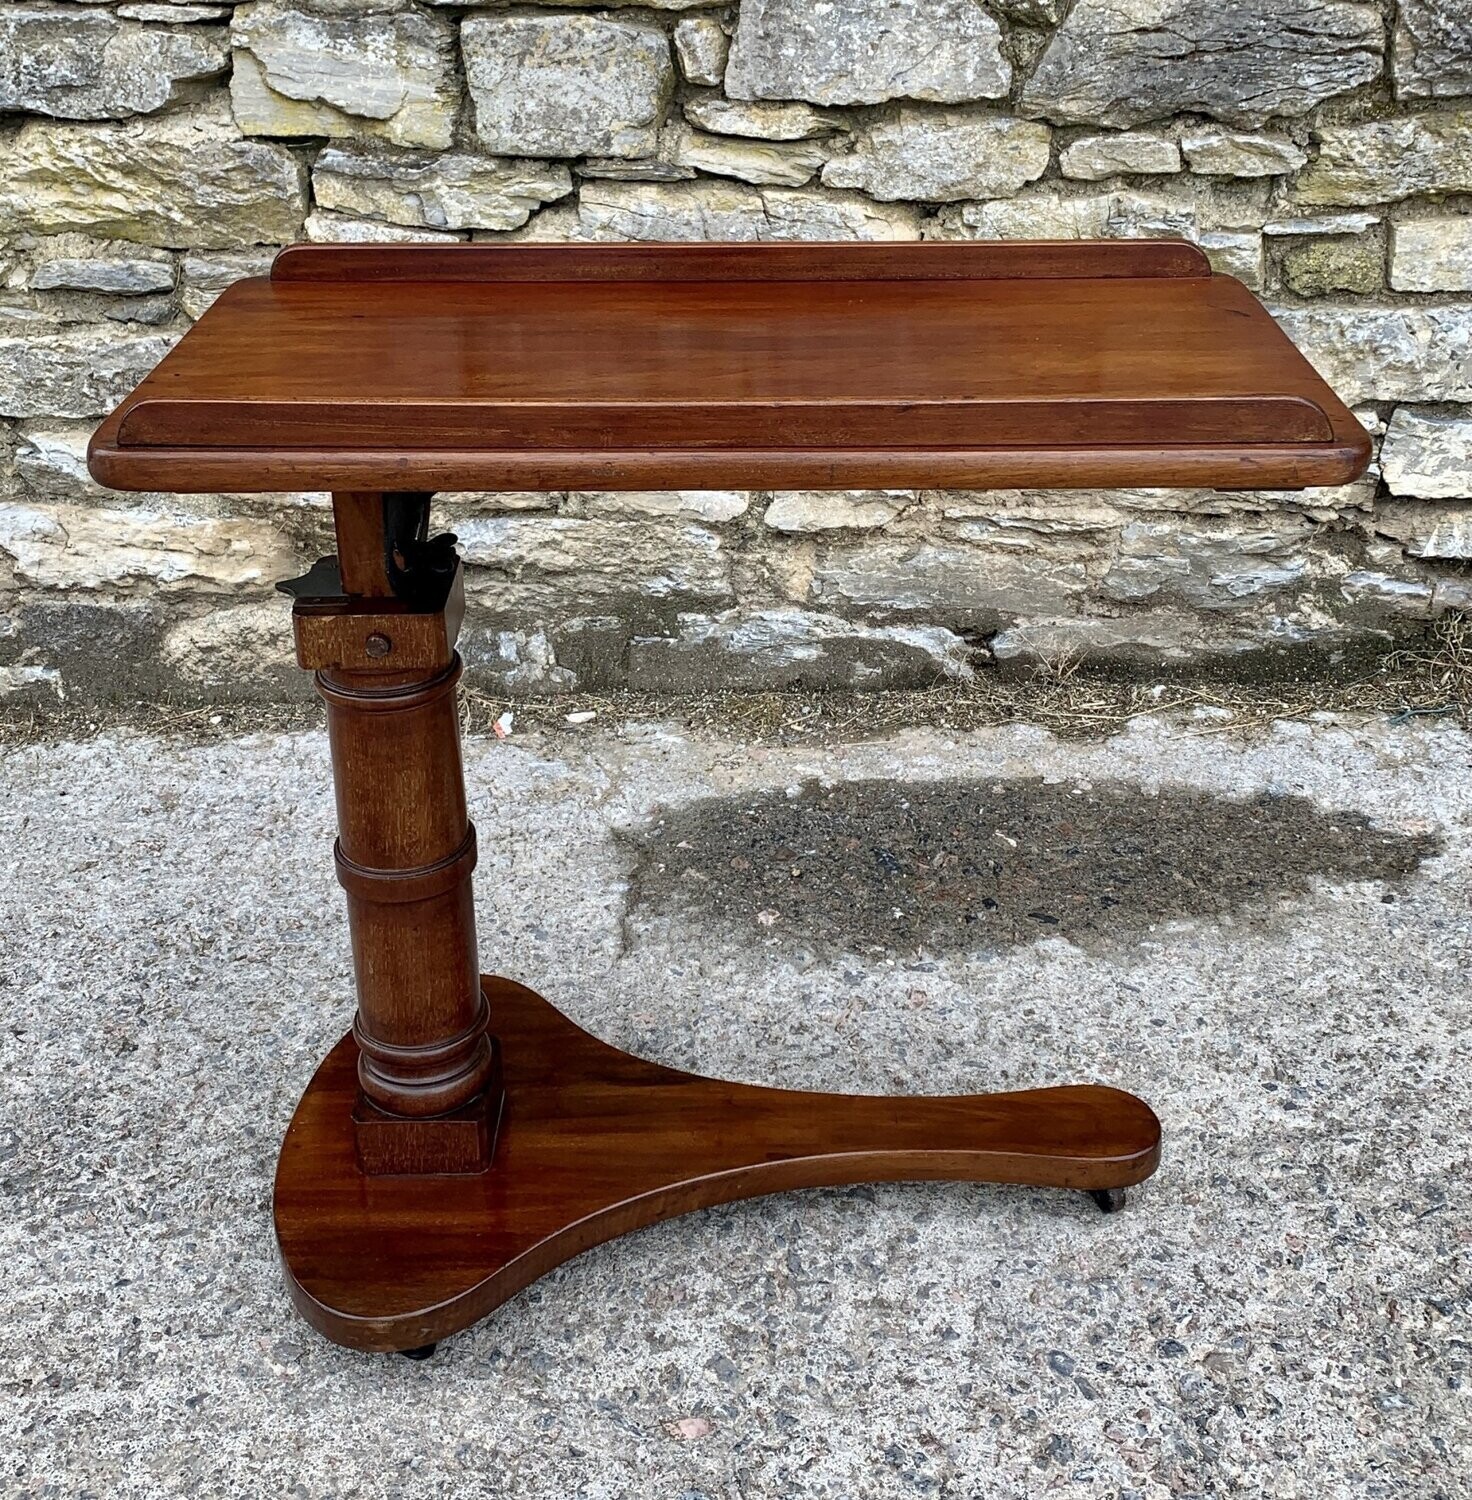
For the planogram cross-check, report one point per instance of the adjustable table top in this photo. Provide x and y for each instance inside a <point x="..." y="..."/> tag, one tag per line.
<point x="961" y="365"/>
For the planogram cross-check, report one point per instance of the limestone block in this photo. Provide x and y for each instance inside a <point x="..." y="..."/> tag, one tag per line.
<point x="216" y="651"/>
<point x="76" y="372"/>
<point x="1123" y="62"/>
<point x="1235" y="253"/>
<point x="833" y="510"/>
<point x="656" y="168"/>
<point x="186" y="180"/>
<point x="455" y="190"/>
<point x="567" y="85"/>
<point x="1048" y="512"/>
<point x="1217" y="566"/>
<point x="88" y="65"/>
<point x="1320" y="224"/>
<point x="1145" y="637"/>
<point x="1323" y="264"/>
<point x="711" y="507"/>
<point x="1094" y="157"/>
<point x="1217" y="152"/>
<point x="51" y="462"/>
<point x="1387" y="595"/>
<point x="92" y="548"/>
<point x="518" y="662"/>
<point x="1428" y="456"/>
<point x="942" y="156"/>
<point x="1035" y="215"/>
<point x="497" y="502"/>
<point x="984" y="586"/>
<point x="813" y="214"/>
<point x="947" y="51"/>
<point x="204" y="277"/>
<point x="214" y="272"/>
<point x="75" y="263"/>
<point x="1432" y="255"/>
<point x="734" y="211"/>
<point x="567" y="565"/>
<point x="1384" y="160"/>
<point x="1387" y="353"/>
<point x="1441" y="532"/>
<point x="774" y="163"/>
<point x="369" y="72"/>
<point x="1433" y="48"/>
<point x="174" y="13"/>
<point x="701" y="47"/>
<point x="765" y="122"/>
<point x="324" y="228"/>
<point x="776" y="649"/>
<point x="1135" y="215"/>
<point x="1041" y="212"/>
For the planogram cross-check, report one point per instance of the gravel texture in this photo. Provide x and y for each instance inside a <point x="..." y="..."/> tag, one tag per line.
<point x="888" y="866"/>
<point x="1281" y="1311"/>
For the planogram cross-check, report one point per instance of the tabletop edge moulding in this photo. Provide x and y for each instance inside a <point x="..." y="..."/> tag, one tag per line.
<point x="765" y="261"/>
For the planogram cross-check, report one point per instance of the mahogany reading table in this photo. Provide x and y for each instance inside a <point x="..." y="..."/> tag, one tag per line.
<point x="465" y="1137"/>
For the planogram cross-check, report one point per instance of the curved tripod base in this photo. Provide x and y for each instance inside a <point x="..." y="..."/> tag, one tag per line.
<point x="594" y="1143"/>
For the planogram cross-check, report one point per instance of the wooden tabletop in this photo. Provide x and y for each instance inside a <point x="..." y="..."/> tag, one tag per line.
<point x="486" y="367"/>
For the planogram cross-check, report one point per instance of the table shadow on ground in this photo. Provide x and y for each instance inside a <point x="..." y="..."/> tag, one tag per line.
<point x="878" y="866"/>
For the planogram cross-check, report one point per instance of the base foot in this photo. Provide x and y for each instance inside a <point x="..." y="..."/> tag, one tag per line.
<point x="595" y="1143"/>
<point x="465" y="1141"/>
<point x="1110" y="1200"/>
<point x="422" y="1352"/>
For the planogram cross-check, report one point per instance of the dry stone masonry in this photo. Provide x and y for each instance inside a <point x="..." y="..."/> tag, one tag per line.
<point x="156" y="151"/>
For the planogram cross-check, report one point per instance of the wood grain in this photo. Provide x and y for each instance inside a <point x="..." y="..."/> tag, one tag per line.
<point x="958" y="379"/>
<point x="726" y="426"/>
<point x="594" y="1143"/>
<point x="925" y="261"/>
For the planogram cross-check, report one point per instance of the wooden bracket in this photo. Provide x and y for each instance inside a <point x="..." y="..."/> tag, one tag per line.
<point x="378" y="635"/>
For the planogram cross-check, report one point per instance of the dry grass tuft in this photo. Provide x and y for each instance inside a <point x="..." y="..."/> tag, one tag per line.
<point x="1432" y="679"/>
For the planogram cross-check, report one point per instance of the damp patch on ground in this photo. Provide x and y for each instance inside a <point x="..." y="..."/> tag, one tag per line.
<point x="879" y="866"/>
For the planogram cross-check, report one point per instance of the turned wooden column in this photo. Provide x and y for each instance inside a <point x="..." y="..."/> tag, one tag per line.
<point x="404" y="854"/>
<point x="378" y="628"/>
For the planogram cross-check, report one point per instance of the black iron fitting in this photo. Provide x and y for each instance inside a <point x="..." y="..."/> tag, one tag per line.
<point x="420" y="567"/>
<point x="321" y="582"/>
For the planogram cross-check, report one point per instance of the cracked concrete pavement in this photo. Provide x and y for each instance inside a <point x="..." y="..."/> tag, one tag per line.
<point x="1281" y="1311"/>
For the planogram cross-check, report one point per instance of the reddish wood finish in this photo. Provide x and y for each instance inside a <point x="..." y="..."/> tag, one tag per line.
<point x="357" y="518"/>
<point x="404" y="855"/>
<point x="595" y="1143"/>
<point x="928" y="261"/>
<point x="459" y="1141"/>
<point x="384" y="373"/>
<point x="819" y="365"/>
<point x="676" y="426"/>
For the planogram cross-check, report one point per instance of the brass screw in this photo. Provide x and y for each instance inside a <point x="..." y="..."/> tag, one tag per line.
<point x="378" y="645"/>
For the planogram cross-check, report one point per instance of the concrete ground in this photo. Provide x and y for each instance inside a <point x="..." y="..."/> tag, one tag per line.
<point x="1277" y="954"/>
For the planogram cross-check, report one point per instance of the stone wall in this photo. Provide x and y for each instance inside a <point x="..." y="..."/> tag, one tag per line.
<point x="156" y="150"/>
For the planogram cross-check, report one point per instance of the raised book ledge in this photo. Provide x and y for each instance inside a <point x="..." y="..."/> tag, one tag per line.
<point x="1006" y="260"/>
